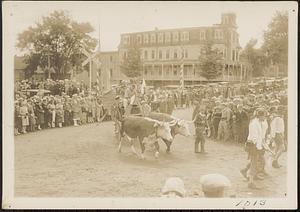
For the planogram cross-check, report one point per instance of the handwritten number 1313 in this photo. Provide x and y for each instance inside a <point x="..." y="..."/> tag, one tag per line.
<point x="248" y="203"/>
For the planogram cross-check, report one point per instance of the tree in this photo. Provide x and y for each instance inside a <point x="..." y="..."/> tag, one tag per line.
<point x="275" y="45"/>
<point x="254" y="58"/>
<point x="57" y="38"/>
<point x="132" y="65"/>
<point x="211" y="62"/>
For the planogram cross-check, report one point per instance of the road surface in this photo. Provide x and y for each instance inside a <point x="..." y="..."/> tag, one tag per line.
<point x="84" y="162"/>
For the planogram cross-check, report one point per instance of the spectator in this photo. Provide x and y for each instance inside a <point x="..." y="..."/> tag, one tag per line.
<point x="173" y="187"/>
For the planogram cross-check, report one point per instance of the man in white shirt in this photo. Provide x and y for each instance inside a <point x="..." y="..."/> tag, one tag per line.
<point x="257" y="133"/>
<point x="277" y="133"/>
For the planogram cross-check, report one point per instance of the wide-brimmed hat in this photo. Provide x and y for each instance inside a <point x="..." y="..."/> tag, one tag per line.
<point x="174" y="184"/>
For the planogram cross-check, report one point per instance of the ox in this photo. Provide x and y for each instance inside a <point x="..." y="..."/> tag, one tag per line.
<point x="143" y="127"/>
<point x="180" y="127"/>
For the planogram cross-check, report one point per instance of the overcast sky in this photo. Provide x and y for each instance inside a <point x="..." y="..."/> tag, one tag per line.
<point x="115" y="18"/>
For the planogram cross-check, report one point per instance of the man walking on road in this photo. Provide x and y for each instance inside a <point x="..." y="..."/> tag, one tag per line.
<point x="257" y="133"/>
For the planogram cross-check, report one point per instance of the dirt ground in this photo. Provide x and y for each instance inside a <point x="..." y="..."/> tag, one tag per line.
<point x="84" y="162"/>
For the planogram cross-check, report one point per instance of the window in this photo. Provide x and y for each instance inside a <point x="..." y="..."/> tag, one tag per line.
<point x="153" y="38"/>
<point x="111" y="72"/>
<point x="184" y="36"/>
<point x="139" y="39"/>
<point x="126" y="39"/>
<point x="186" y="55"/>
<point x="145" y="54"/>
<point x="111" y="58"/>
<point x="160" y="54"/>
<point x="153" y="54"/>
<point x="221" y="35"/>
<point x="233" y="36"/>
<point x="145" y="71"/>
<point x="175" y="71"/>
<point x="125" y="55"/>
<point x="161" y="38"/>
<point x="146" y="38"/>
<point x="168" y="54"/>
<point x="168" y="37"/>
<point x="185" y="71"/>
<point x="233" y="55"/>
<point x="202" y="35"/>
<point x="175" y="53"/>
<point x="218" y="34"/>
<point x="167" y="71"/>
<point x="160" y="72"/>
<point x="175" y="36"/>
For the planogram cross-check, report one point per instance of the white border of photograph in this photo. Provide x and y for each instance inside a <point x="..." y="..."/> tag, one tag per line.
<point x="9" y="201"/>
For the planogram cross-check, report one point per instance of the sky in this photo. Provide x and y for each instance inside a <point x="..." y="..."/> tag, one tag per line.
<point x="115" y="18"/>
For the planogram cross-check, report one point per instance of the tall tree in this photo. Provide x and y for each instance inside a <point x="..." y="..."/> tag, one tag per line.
<point x="132" y="64"/>
<point x="275" y="44"/>
<point x="254" y="58"/>
<point x="211" y="62"/>
<point x="58" y="38"/>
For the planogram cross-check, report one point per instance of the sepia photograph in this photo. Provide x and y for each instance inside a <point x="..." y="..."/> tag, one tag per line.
<point x="149" y="104"/>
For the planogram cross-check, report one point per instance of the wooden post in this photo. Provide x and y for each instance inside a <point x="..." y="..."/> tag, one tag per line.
<point x="241" y="74"/>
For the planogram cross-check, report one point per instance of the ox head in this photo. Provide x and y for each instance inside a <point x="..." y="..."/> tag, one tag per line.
<point x="182" y="127"/>
<point x="163" y="130"/>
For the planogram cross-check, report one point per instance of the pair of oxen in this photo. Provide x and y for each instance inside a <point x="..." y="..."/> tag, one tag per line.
<point x="149" y="130"/>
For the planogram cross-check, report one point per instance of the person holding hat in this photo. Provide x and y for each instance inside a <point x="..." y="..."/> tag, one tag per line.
<point x="277" y="134"/>
<point x="214" y="185"/>
<point x="173" y="187"/>
<point x="257" y="134"/>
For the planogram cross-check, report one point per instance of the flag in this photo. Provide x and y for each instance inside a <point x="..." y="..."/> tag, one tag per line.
<point x="98" y="81"/>
<point x="181" y="70"/>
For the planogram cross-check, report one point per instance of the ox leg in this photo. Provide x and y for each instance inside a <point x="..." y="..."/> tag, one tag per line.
<point x="120" y="144"/>
<point x="168" y="144"/>
<point x="142" y="148"/>
<point x="156" y="149"/>
<point x="131" y="145"/>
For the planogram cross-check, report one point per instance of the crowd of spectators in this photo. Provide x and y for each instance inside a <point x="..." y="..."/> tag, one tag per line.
<point x="47" y="104"/>
<point x="228" y="107"/>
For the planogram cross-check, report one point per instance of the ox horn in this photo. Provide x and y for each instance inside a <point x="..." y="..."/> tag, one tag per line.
<point x="173" y="122"/>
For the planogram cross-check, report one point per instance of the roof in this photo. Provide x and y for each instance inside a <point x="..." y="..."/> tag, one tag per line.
<point x="19" y="62"/>
<point x="172" y="29"/>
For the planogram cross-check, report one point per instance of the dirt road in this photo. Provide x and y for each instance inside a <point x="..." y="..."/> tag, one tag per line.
<point x="84" y="162"/>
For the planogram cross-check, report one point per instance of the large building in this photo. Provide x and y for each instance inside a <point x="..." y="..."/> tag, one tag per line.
<point x="163" y="51"/>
